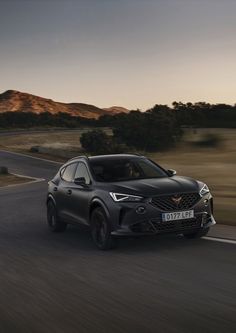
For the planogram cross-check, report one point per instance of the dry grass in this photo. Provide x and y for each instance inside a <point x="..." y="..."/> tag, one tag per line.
<point x="57" y="145"/>
<point x="9" y="179"/>
<point x="215" y="166"/>
<point x="63" y="139"/>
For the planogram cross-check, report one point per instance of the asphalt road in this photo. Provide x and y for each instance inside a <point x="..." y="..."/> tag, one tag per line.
<point x="62" y="283"/>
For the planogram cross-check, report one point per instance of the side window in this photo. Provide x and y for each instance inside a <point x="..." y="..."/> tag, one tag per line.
<point x="68" y="173"/>
<point x="82" y="171"/>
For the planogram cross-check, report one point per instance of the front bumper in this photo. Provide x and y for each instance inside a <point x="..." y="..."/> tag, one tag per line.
<point x="149" y="222"/>
<point x="155" y="226"/>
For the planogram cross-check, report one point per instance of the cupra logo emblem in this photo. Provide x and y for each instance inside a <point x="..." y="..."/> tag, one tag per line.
<point x="176" y="200"/>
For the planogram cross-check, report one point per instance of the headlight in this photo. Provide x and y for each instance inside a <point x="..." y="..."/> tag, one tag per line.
<point x="125" y="197"/>
<point x="204" y="190"/>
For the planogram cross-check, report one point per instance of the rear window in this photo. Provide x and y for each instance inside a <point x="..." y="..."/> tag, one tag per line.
<point x="115" y="170"/>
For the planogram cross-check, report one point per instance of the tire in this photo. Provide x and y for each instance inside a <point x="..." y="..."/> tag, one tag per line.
<point x="54" y="223"/>
<point x="101" y="230"/>
<point x="198" y="234"/>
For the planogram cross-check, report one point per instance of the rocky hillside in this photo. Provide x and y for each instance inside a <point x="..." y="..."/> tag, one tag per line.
<point x="16" y="101"/>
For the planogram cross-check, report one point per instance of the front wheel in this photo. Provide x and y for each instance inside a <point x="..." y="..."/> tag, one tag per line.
<point x="198" y="234"/>
<point x="101" y="230"/>
<point x="54" y="223"/>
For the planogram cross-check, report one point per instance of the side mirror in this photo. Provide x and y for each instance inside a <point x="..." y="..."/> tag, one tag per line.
<point x="80" y="181"/>
<point x="171" y="172"/>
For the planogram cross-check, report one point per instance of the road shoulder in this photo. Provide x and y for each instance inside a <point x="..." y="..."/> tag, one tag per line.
<point x="223" y="231"/>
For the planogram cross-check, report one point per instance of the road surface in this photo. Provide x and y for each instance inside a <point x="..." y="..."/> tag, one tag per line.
<point x="61" y="283"/>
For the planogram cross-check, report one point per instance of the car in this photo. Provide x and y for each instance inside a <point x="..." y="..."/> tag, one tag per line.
<point x="127" y="195"/>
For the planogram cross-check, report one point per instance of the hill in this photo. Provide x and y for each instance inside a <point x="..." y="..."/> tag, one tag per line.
<point x="116" y="109"/>
<point x="16" y="101"/>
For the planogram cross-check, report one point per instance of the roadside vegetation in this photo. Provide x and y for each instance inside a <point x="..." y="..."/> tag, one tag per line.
<point x="99" y="142"/>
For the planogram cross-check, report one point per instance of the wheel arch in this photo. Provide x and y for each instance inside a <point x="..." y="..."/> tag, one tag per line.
<point x="51" y="198"/>
<point x="96" y="202"/>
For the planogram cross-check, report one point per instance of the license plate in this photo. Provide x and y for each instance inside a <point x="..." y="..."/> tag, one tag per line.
<point x="186" y="214"/>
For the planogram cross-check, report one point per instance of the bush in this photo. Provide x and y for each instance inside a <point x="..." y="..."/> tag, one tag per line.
<point x="98" y="142"/>
<point x="34" y="149"/>
<point x="209" y="140"/>
<point x="3" y="170"/>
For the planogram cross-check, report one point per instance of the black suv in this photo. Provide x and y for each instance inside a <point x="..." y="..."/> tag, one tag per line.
<point x="127" y="194"/>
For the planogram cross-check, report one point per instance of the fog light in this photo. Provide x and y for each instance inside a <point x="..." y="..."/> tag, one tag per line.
<point x="140" y="210"/>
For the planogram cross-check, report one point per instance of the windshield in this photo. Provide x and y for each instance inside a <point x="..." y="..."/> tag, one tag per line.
<point x="115" y="170"/>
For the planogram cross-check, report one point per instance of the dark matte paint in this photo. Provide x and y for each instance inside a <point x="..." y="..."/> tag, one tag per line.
<point x="75" y="202"/>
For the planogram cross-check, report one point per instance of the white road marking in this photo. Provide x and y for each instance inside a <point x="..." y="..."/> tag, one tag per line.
<point x="22" y="184"/>
<point x="25" y="155"/>
<point x="33" y="180"/>
<point x="221" y="240"/>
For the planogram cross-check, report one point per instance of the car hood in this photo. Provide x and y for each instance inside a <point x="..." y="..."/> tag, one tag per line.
<point x="151" y="187"/>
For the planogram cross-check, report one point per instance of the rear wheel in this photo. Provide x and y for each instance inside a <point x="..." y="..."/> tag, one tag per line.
<point x="54" y="223"/>
<point x="198" y="234"/>
<point x="101" y="230"/>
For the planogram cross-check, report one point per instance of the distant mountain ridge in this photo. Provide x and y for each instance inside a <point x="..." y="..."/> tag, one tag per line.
<point x="16" y="101"/>
<point x="116" y="109"/>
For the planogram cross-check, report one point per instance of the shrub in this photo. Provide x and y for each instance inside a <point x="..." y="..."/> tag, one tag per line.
<point x="209" y="140"/>
<point x="34" y="149"/>
<point x="98" y="142"/>
<point x="3" y="170"/>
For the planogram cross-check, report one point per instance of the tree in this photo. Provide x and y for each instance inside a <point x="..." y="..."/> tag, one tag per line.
<point x="154" y="130"/>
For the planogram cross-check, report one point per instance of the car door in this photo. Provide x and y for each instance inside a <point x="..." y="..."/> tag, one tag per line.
<point x="64" y="191"/>
<point x="81" y="194"/>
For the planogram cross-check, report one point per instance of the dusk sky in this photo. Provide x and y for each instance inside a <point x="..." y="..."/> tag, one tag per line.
<point x="131" y="53"/>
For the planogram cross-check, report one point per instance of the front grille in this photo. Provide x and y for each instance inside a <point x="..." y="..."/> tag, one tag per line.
<point x="155" y="225"/>
<point x="179" y="225"/>
<point x="175" y="202"/>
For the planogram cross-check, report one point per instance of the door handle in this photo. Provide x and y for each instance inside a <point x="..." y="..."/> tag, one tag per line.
<point x="69" y="192"/>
